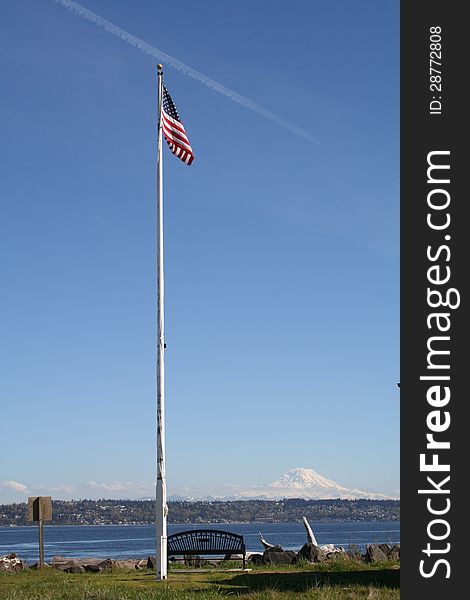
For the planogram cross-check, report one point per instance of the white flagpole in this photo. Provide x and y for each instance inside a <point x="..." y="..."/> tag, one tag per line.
<point x="161" y="500"/>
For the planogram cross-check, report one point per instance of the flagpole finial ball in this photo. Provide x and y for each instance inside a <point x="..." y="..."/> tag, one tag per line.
<point x="160" y="67"/>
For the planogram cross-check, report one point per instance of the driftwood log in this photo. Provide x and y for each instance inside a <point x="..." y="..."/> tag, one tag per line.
<point x="310" y="536"/>
<point x="266" y="544"/>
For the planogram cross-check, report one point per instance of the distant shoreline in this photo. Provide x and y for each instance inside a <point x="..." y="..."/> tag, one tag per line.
<point x="199" y="524"/>
<point x="142" y="512"/>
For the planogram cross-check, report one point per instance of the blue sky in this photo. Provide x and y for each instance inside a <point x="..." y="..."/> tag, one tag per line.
<point x="281" y="254"/>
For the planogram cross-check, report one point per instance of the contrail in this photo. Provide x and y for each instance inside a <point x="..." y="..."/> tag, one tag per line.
<point x="163" y="57"/>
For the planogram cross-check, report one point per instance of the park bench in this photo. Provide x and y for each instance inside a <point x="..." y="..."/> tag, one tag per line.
<point x="206" y="541"/>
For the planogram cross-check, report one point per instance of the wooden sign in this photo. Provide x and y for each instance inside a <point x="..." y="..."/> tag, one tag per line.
<point x="40" y="508"/>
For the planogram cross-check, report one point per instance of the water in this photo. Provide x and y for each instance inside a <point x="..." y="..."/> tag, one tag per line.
<point x="138" y="541"/>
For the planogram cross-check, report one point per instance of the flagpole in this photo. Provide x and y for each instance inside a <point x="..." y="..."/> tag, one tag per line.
<point x="161" y="499"/>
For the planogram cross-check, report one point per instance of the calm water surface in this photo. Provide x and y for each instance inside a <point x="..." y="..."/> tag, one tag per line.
<point x="138" y="541"/>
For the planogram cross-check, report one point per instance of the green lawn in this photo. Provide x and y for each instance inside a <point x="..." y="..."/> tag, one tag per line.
<point x="338" y="581"/>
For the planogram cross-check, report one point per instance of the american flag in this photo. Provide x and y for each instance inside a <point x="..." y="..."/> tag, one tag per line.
<point x="173" y="130"/>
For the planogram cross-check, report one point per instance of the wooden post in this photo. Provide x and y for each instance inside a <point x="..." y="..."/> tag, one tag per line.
<point x="40" y="510"/>
<point x="41" y="539"/>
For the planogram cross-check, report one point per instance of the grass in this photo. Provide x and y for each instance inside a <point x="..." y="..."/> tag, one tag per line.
<point x="338" y="580"/>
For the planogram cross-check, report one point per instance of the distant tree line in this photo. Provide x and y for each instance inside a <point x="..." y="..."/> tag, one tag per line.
<point x="127" y="512"/>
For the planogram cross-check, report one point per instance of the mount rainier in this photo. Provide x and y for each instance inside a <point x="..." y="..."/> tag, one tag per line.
<point x="307" y="483"/>
<point x="296" y="483"/>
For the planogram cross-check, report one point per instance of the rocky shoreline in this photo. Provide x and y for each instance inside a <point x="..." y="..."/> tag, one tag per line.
<point x="315" y="554"/>
<point x="11" y="563"/>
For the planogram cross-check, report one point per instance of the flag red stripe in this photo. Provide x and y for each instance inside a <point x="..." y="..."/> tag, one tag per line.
<point x="175" y="133"/>
<point x="175" y="139"/>
<point x="185" y="156"/>
<point x="173" y="122"/>
<point x="180" y="134"/>
<point x="177" y="147"/>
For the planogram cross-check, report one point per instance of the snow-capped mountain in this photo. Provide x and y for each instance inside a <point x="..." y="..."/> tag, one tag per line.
<point x="301" y="478"/>
<point x="307" y="483"/>
<point x="296" y="483"/>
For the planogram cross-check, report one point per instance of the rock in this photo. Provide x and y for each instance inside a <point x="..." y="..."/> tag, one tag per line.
<point x="97" y="565"/>
<point x="312" y="553"/>
<point x="59" y="561"/>
<point x="78" y="565"/>
<point x="151" y="562"/>
<point x="272" y="556"/>
<point x="374" y="553"/>
<point x="10" y="563"/>
<point x="106" y="564"/>
<point x="394" y="553"/>
<point x="385" y="549"/>
<point x="256" y="559"/>
<point x="73" y="568"/>
<point x="354" y="554"/>
<point x="35" y="566"/>
<point x="130" y="564"/>
<point x="343" y="556"/>
<point x="92" y="566"/>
